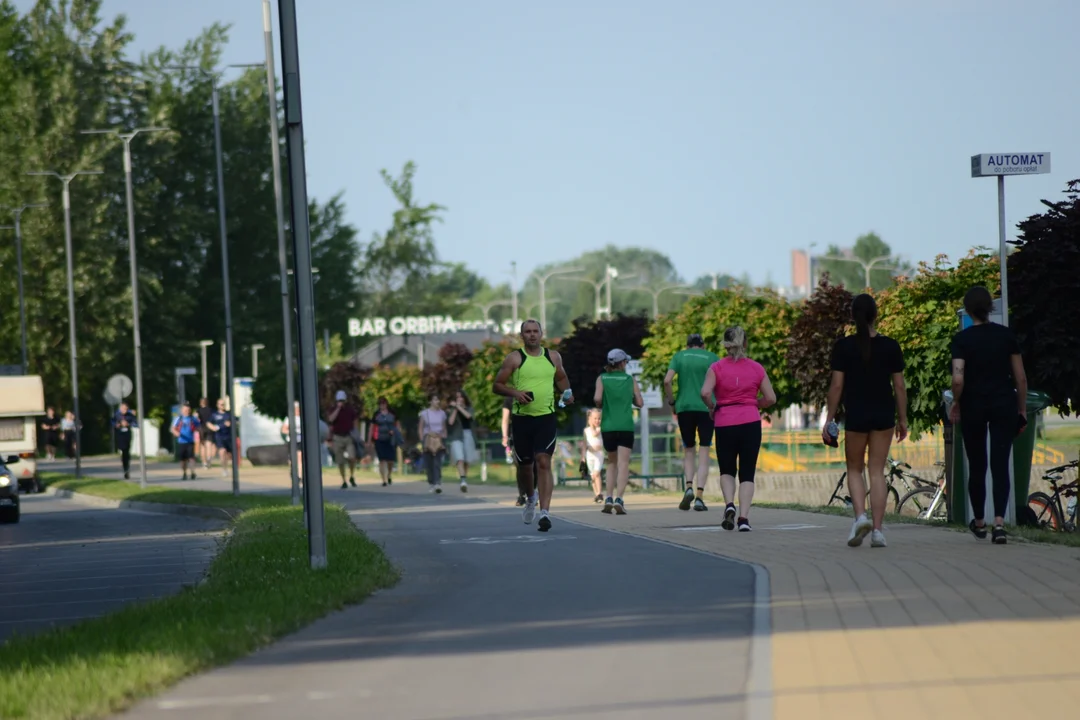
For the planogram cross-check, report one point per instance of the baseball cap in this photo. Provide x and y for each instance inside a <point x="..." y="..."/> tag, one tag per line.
<point x="616" y="356"/>
<point x="341" y="395"/>
<point x="695" y="340"/>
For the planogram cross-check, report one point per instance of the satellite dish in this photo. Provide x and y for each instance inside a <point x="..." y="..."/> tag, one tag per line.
<point x="119" y="386"/>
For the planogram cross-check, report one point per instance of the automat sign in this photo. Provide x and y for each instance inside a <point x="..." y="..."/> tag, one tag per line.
<point x="410" y="325"/>
<point x="992" y="164"/>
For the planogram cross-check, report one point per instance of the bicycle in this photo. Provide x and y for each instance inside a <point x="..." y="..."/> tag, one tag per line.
<point x="928" y="501"/>
<point x="895" y="471"/>
<point x="1049" y="511"/>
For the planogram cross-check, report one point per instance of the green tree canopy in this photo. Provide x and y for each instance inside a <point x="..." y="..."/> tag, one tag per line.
<point x="852" y="275"/>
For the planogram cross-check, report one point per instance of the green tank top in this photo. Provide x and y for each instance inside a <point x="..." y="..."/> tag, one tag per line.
<point x="617" y="410"/>
<point x="536" y="375"/>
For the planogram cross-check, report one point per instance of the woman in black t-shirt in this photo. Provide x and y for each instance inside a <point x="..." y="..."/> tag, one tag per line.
<point x="867" y="368"/>
<point x="988" y="373"/>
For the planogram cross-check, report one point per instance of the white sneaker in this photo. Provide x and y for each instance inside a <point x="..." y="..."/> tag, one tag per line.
<point x="877" y="539"/>
<point x="529" y="513"/>
<point x="859" y="530"/>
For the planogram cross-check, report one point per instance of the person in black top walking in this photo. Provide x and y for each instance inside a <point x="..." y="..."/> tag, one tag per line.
<point x="867" y="369"/>
<point x="989" y="382"/>
<point x="122" y="422"/>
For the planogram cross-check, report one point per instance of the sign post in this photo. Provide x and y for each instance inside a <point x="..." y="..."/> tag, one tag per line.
<point x="999" y="165"/>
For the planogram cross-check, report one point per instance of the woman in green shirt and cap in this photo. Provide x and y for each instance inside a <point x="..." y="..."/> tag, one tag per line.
<point x="617" y="394"/>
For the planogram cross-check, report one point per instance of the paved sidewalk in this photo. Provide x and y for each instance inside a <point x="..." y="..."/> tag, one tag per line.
<point x="936" y="625"/>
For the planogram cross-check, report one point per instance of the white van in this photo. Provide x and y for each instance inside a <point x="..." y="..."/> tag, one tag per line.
<point x="22" y="402"/>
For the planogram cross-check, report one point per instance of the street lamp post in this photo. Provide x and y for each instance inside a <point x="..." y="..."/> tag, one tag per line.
<point x="598" y="285"/>
<point x="127" y="137"/>
<point x="866" y="266"/>
<point x="279" y="208"/>
<point x="203" y="344"/>
<point x="255" y="359"/>
<point x="542" y="280"/>
<point x="305" y="285"/>
<point x="17" y="212"/>
<point x="66" y="196"/>
<point x="656" y="294"/>
<point x="513" y="293"/>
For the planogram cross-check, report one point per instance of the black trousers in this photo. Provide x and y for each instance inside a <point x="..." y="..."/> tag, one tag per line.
<point x="1002" y="422"/>
<point x="125" y="456"/>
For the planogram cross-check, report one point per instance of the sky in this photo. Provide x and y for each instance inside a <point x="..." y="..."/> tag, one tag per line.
<point x="721" y="133"/>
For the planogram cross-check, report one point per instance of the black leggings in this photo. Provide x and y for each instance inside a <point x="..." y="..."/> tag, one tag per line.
<point x="125" y="456"/>
<point x="1003" y="423"/>
<point x="737" y="448"/>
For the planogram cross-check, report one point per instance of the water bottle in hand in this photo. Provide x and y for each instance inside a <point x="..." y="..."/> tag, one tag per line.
<point x="833" y="431"/>
<point x="566" y="395"/>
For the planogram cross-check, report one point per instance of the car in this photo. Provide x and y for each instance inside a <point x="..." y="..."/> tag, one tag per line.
<point x="9" y="491"/>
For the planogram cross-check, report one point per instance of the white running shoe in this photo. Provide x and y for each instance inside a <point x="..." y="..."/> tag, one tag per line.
<point x="877" y="539"/>
<point x="529" y="513"/>
<point x="859" y="530"/>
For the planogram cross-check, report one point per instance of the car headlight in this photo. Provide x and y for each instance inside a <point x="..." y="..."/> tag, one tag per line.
<point x="5" y="480"/>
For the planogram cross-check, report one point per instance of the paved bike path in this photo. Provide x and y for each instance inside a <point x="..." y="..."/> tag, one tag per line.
<point x="496" y="620"/>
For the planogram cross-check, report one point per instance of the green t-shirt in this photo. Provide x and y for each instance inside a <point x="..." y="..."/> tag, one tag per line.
<point x="617" y="410"/>
<point x="691" y="366"/>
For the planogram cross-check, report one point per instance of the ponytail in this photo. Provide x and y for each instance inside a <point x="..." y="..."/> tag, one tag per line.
<point x="735" y="342"/>
<point x="864" y="312"/>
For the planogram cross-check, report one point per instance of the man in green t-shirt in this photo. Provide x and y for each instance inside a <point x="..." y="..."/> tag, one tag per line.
<point x="692" y="365"/>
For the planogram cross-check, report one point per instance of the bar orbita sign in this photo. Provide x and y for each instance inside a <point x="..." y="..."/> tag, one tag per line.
<point x="995" y="164"/>
<point x="429" y="325"/>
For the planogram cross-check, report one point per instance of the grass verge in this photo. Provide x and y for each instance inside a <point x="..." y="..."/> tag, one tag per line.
<point x="259" y="588"/>
<point x="126" y="490"/>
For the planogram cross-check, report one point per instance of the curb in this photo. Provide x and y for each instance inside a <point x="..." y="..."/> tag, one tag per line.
<point x="200" y="511"/>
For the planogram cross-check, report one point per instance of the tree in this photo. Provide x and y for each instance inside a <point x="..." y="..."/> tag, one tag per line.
<point x="448" y="375"/>
<point x="714" y="281"/>
<point x="484" y="366"/>
<point x="401" y="386"/>
<point x="825" y="317"/>
<point x="765" y="316"/>
<point x="920" y="313"/>
<point x="347" y="376"/>
<point x="584" y="350"/>
<point x="850" y="274"/>
<point x="1043" y="286"/>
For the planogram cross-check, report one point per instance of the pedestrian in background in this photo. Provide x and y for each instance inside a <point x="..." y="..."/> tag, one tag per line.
<point x="383" y="433"/>
<point x="432" y="431"/>
<point x="617" y="394"/>
<point x="184" y="429"/>
<point x="50" y="433"/>
<point x="460" y="435"/>
<point x="342" y="420"/>
<point x="122" y="422"/>
<point x="989" y="387"/>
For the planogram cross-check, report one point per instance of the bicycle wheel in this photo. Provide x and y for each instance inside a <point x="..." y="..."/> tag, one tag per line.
<point x="1046" y="511"/>
<point x="916" y="504"/>
<point x="892" y="500"/>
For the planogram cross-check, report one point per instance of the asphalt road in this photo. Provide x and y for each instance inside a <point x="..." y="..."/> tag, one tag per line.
<point x="495" y="620"/>
<point x="65" y="562"/>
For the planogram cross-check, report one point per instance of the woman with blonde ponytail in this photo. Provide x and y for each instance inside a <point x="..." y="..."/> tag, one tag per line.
<point x="736" y="389"/>
<point x="867" y="369"/>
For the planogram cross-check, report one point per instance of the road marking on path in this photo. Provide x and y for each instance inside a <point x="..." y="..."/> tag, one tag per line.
<point x="505" y="539"/>
<point x="717" y="528"/>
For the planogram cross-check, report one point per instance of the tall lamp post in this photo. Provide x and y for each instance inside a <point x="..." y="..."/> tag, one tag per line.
<point x="656" y="294"/>
<point x="17" y="212"/>
<point x="279" y="208"/>
<point x="127" y="137"/>
<point x="599" y="285"/>
<point x="255" y="359"/>
<point x="305" y="285"/>
<point x="230" y="356"/>
<point x="66" y="197"/>
<point x="542" y="281"/>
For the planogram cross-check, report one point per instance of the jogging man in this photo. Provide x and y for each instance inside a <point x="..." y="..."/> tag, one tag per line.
<point x="529" y="376"/>
<point x="123" y="421"/>
<point x="206" y="437"/>
<point x="184" y="429"/>
<point x="695" y="422"/>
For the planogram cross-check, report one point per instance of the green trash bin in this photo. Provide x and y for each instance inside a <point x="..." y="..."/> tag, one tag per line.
<point x="1022" y="452"/>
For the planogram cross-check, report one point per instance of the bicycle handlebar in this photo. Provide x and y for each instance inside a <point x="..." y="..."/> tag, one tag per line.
<point x="1063" y="468"/>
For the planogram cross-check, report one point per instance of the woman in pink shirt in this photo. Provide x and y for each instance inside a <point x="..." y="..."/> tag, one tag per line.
<point x="736" y="389"/>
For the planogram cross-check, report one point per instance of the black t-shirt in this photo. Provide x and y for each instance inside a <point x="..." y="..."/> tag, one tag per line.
<point x="868" y="387"/>
<point x="987" y="352"/>
<point x="205" y="413"/>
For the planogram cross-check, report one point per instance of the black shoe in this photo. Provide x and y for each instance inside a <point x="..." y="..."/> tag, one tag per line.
<point x="192" y="474"/>
<point x="729" y="518"/>
<point x="598" y="499"/>
<point x="384" y="483"/>
<point x="352" y="481"/>
<point x="185" y="477"/>
<point x="544" y="525"/>
<point x="389" y="480"/>
<point x="126" y="476"/>
<point x="979" y="532"/>
<point x="997" y="535"/>
<point x="344" y="485"/>
<point x="699" y="505"/>
<point x="520" y="501"/>
<point x="744" y="525"/>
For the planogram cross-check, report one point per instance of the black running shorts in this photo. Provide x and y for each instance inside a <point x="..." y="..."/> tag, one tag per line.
<point x="186" y="451"/>
<point x="615" y="439"/>
<point x="696" y="422"/>
<point x="737" y="448"/>
<point x="533" y="435"/>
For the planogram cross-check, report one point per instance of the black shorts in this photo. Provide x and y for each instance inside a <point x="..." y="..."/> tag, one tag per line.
<point x="533" y="435"/>
<point x="384" y="450"/>
<point x="696" y="422"/>
<point x="737" y="448"/>
<point x="186" y="451"/>
<point x="870" y="422"/>
<point x="615" y="439"/>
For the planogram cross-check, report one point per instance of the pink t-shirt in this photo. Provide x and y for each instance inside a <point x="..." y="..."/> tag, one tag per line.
<point x="736" y="391"/>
